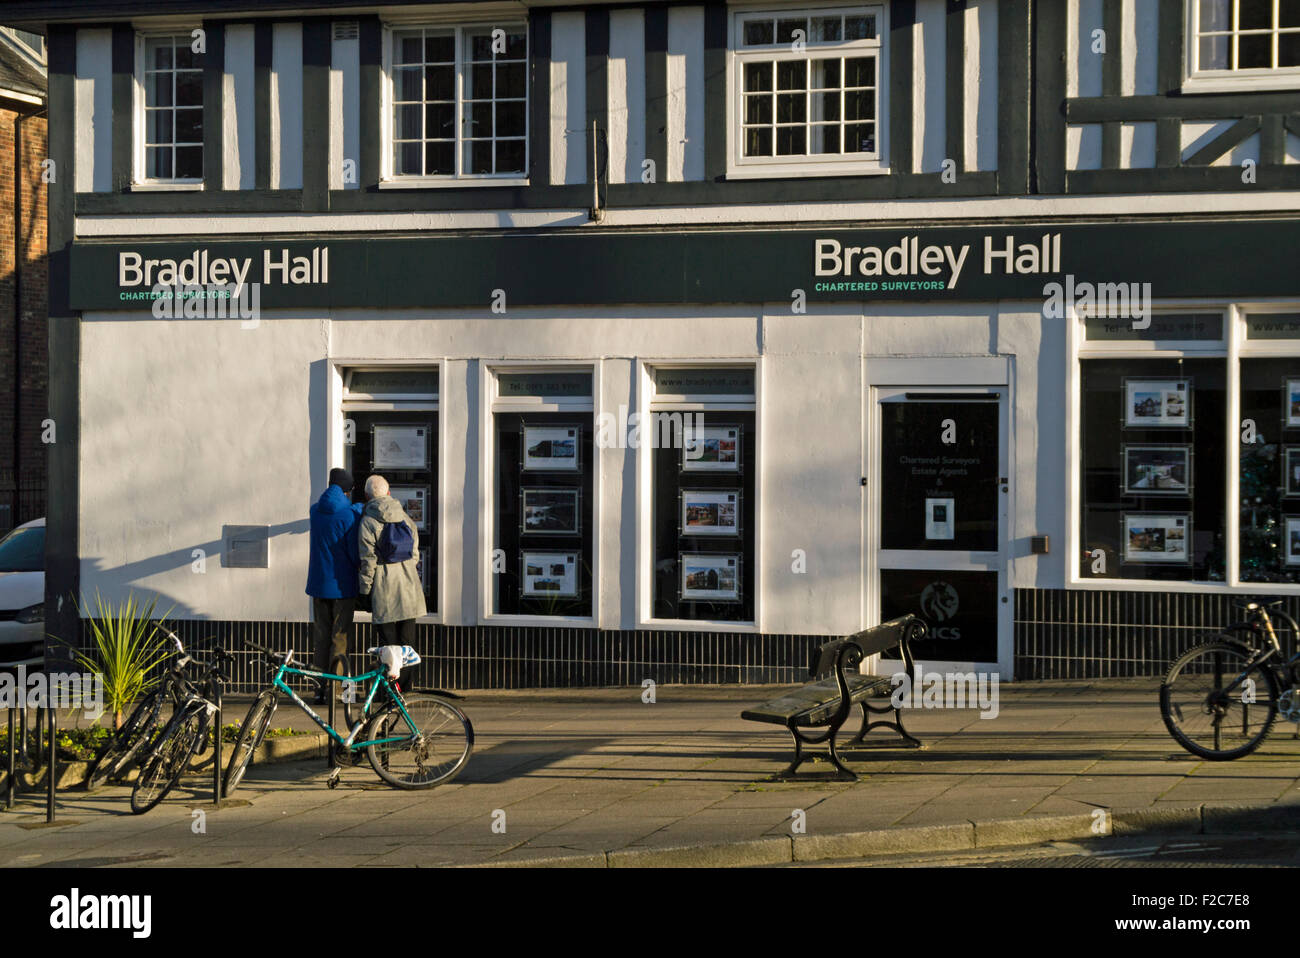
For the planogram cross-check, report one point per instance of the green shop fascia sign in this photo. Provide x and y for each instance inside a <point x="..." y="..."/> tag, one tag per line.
<point x="597" y="267"/>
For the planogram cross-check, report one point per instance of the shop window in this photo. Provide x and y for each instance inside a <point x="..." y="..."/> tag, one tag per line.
<point x="543" y="472"/>
<point x="169" y="78"/>
<point x="1152" y="445"/>
<point x="703" y="467"/>
<point x="1243" y="43"/>
<point x="458" y="102"/>
<point x="807" y="91"/>
<point x="392" y="417"/>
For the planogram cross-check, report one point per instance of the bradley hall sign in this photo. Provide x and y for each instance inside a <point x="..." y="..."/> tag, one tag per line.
<point x="597" y="266"/>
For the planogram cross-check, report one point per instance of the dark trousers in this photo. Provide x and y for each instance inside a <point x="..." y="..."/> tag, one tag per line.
<point x="398" y="633"/>
<point x="331" y="629"/>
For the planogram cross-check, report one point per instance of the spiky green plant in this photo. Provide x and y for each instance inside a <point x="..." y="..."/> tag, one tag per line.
<point x="128" y="643"/>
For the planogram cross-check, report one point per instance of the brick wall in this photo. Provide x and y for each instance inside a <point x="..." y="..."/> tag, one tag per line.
<point x="24" y="366"/>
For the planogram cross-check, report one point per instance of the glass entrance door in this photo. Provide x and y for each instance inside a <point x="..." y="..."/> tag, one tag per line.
<point x="941" y="505"/>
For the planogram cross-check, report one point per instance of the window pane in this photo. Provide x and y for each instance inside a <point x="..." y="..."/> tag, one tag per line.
<point x="790" y="141"/>
<point x="158" y="89"/>
<point x="158" y="54"/>
<point x="158" y="163"/>
<point x="478" y="156"/>
<point x="186" y="58"/>
<point x="510" y="156"/>
<point x="860" y="105"/>
<point x="512" y="80"/>
<point x="826" y="138"/>
<point x="480" y="44"/>
<point x="1214" y="53"/>
<point x="758" y="32"/>
<point x="790" y="108"/>
<point x="791" y="75"/>
<point x="826" y="74"/>
<point x="1254" y="51"/>
<point x="439" y="158"/>
<point x="826" y="106"/>
<point x="189" y="89"/>
<point x="1254" y="14"/>
<point x="440" y="83"/>
<point x="785" y="29"/>
<point x="860" y="138"/>
<point x="440" y="121"/>
<point x="1216" y="15"/>
<point x="158" y="126"/>
<point x="480" y="119"/>
<point x="859" y="28"/>
<point x="189" y="162"/>
<point x="406" y="84"/>
<point x="1269" y="480"/>
<point x="517" y="45"/>
<point x="1288" y="50"/>
<point x="860" y="71"/>
<point x="478" y="82"/>
<point x="1152" y="439"/>
<point x="510" y="119"/>
<point x="1288" y="13"/>
<point x="758" y="76"/>
<point x="407" y="124"/>
<point x="406" y="159"/>
<point x="189" y="126"/>
<point x="758" y="109"/>
<point x="440" y="48"/>
<point x="407" y="47"/>
<point x="758" y="142"/>
<point x="825" y="30"/>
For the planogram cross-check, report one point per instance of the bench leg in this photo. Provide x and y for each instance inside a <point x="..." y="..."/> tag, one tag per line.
<point x="846" y="773"/>
<point x="799" y="756"/>
<point x="842" y="772"/>
<point x="909" y="741"/>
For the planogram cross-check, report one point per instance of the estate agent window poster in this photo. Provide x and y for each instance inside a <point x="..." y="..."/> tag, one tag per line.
<point x="1156" y="538"/>
<point x="400" y="447"/>
<point x="710" y="578"/>
<point x="710" y="512"/>
<point x="1157" y="470"/>
<point x="1292" y="399"/>
<point x="422" y="567"/>
<point x="550" y="573"/>
<point x="1291" y="475"/>
<point x="551" y="511"/>
<point x="551" y="448"/>
<point x="1293" y="540"/>
<point x="712" y="449"/>
<point x="415" y="500"/>
<point x="939" y="522"/>
<point x="1157" y="402"/>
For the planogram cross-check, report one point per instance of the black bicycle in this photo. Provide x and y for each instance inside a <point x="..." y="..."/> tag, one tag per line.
<point x="1220" y="699"/>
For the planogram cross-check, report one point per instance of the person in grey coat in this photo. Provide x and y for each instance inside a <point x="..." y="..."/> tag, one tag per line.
<point x="396" y="595"/>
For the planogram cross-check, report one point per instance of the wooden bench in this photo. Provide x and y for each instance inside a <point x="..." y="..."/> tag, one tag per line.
<point x="836" y="686"/>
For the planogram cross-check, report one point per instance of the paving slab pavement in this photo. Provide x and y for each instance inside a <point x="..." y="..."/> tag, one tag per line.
<point x="597" y="777"/>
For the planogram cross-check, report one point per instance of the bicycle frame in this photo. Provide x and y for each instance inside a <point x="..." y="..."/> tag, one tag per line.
<point x="380" y="677"/>
<point x="1260" y="622"/>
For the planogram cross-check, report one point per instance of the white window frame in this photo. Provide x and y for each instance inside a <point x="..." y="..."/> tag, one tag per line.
<point x="649" y="402"/>
<point x="341" y="403"/>
<point x="139" y="181"/>
<point x="387" y="178"/>
<point x="1196" y="80"/>
<point x="740" y="166"/>
<point x="490" y="403"/>
<point x="1231" y="349"/>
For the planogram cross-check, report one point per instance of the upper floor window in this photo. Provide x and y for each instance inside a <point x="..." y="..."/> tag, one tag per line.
<point x="806" y="91"/>
<point x="458" y="102"/>
<point x="169" y="119"/>
<point x="1235" y="44"/>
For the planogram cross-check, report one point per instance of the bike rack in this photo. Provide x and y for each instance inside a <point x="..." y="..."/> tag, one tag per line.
<point x="11" y="784"/>
<point x="216" y="747"/>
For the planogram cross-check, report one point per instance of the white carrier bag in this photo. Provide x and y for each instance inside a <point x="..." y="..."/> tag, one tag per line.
<point x="396" y="657"/>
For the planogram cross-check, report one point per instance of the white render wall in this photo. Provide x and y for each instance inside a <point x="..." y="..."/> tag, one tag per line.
<point x="190" y="425"/>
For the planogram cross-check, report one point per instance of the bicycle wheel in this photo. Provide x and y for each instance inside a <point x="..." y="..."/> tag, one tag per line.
<point x="163" y="769"/>
<point x="430" y="748"/>
<point x="251" y="733"/>
<point x="1216" y="704"/>
<point x="128" y="742"/>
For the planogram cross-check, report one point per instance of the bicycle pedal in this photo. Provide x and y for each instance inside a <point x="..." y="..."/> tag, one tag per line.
<point x="333" y="780"/>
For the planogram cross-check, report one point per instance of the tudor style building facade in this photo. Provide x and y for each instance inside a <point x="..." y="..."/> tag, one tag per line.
<point x="989" y="310"/>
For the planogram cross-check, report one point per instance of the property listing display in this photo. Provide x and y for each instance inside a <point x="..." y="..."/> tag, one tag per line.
<point x="544" y="468"/>
<point x="402" y="447"/>
<point x="1269" y="476"/>
<point x="704" y="520"/>
<point x="1149" y="512"/>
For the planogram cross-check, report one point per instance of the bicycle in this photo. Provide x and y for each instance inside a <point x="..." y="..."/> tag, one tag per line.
<point x="1219" y="700"/>
<point x="412" y="741"/>
<point x="129" y="742"/>
<point x="185" y="736"/>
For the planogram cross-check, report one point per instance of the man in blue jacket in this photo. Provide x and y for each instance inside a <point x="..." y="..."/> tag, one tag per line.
<point x="332" y="571"/>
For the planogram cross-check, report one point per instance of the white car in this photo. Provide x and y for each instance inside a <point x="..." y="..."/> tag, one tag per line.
<point x="22" y="596"/>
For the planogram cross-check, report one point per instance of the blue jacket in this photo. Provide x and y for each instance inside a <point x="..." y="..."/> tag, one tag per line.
<point x="332" y="567"/>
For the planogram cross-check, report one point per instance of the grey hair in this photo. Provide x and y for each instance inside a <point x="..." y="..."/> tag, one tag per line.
<point x="376" y="486"/>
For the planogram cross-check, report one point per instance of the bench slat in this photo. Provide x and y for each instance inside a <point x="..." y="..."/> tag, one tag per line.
<point x="813" y="704"/>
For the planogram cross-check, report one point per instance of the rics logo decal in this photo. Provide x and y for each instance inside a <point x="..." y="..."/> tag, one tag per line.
<point x="939" y="602"/>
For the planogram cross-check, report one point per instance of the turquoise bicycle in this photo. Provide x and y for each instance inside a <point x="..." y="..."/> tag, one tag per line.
<point x="412" y="740"/>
